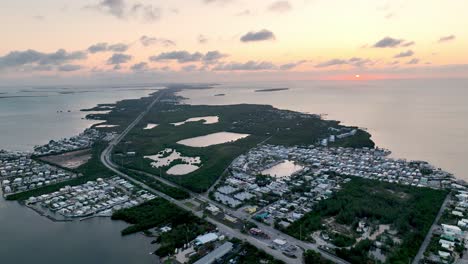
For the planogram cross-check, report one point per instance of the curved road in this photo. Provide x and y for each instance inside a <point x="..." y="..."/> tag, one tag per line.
<point x="107" y="161"/>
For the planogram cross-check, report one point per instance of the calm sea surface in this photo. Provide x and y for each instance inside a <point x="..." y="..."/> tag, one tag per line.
<point x="415" y="119"/>
<point x="30" y="118"/>
<point x="425" y="120"/>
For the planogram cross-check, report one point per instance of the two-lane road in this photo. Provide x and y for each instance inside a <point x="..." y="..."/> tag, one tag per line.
<point x="107" y="161"/>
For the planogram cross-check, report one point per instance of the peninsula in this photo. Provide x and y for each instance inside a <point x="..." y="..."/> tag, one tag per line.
<point x="219" y="181"/>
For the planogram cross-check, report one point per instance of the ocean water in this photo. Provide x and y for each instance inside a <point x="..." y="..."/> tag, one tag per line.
<point x="415" y="119"/>
<point x="28" y="117"/>
<point x="31" y="116"/>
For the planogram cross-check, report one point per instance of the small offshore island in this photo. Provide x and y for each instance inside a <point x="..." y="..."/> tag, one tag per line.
<point x="243" y="184"/>
<point x="271" y="90"/>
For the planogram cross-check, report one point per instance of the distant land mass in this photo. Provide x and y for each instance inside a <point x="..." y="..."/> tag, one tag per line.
<point x="220" y="94"/>
<point x="271" y="90"/>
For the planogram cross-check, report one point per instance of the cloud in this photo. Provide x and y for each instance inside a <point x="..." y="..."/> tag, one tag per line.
<point x="407" y="44"/>
<point x="149" y="41"/>
<point x="248" y="66"/>
<point x="120" y="9"/>
<point x="292" y="65"/>
<point x="119" y="47"/>
<point x="185" y="56"/>
<point x="39" y="17"/>
<point x="113" y="7"/>
<point x="413" y="61"/>
<point x="356" y="62"/>
<point x="332" y="62"/>
<point x="139" y="66"/>
<point x="98" y="47"/>
<point x="103" y="47"/>
<point x="280" y="7"/>
<point x="180" y="56"/>
<point x="388" y="42"/>
<point x="69" y="68"/>
<point x="118" y="58"/>
<point x="213" y="56"/>
<point x="261" y="35"/>
<point x="32" y="57"/>
<point x="446" y="38"/>
<point x="403" y="54"/>
<point x="149" y="13"/>
<point x="202" y="39"/>
<point x="190" y="68"/>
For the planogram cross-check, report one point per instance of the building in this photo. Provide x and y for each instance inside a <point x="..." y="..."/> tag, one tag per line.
<point x="216" y="254"/>
<point x="207" y="238"/>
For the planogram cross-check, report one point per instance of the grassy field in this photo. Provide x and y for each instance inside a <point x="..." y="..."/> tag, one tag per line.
<point x="409" y="211"/>
<point x="259" y="121"/>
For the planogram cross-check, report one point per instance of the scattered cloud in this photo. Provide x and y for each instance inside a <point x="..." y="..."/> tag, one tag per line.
<point x="185" y="56"/>
<point x="103" y="47"/>
<point x="446" y="38"/>
<point x="142" y="66"/>
<point x="413" y="61"/>
<point x="150" y="41"/>
<point x="118" y="58"/>
<point x="39" y="18"/>
<point x="180" y="56"/>
<point x="280" y="6"/>
<point x="388" y="42"/>
<point x="69" y="67"/>
<point x="213" y="56"/>
<point x="33" y="57"/>
<point x="292" y="65"/>
<point x="122" y="10"/>
<point x="113" y="7"/>
<point x="403" y="54"/>
<point x="190" y="68"/>
<point x="119" y="47"/>
<point x="408" y="44"/>
<point x="356" y="62"/>
<point x="202" y="39"/>
<point x="390" y="15"/>
<point x="149" y="13"/>
<point x="248" y="66"/>
<point x="261" y="35"/>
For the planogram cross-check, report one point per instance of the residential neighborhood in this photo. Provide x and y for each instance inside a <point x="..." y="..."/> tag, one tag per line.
<point x="19" y="173"/>
<point x="94" y="198"/>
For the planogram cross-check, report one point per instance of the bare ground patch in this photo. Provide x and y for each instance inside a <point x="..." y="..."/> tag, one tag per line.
<point x="70" y="160"/>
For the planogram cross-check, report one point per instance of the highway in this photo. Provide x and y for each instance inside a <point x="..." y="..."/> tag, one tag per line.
<point x="262" y="244"/>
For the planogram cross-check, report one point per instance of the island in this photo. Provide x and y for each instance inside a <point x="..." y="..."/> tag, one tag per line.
<point x="271" y="90"/>
<point x="244" y="183"/>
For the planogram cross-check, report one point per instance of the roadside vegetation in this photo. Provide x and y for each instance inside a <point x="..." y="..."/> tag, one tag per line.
<point x="312" y="257"/>
<point x="246" y="253"/>
<point x="158" y="213"/>
<point x="409" y="211"/>
<point x="173" y="192"/>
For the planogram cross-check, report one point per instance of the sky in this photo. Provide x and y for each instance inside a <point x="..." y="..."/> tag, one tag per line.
<point x="216" y="40"/>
